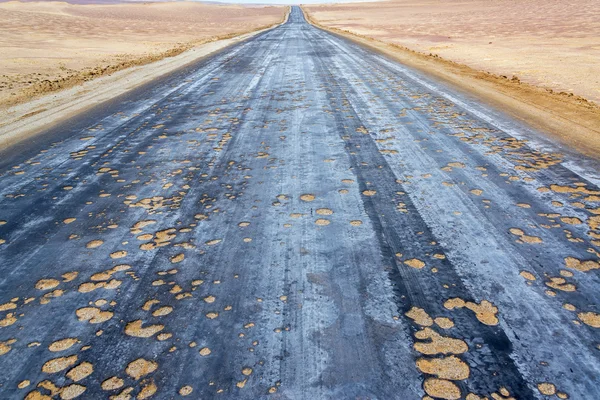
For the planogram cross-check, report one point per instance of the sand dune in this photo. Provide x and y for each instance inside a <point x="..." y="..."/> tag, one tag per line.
<point x="46" y="46"/>
<point x="550" y="43"/>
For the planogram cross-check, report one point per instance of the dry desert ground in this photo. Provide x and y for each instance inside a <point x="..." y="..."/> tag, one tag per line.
<point x="549" y="43"/>
<point x="46" y="46"/>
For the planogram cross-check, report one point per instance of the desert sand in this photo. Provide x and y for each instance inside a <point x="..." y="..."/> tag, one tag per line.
<point x="24" y="120"/>
<point x="554" y="44"/>
<point x="46" y="46"/>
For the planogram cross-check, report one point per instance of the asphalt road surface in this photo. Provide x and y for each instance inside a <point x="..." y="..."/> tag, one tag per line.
<point x="298" y="218"/>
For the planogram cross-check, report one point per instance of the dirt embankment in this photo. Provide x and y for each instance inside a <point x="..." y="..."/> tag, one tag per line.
<point x="51" y="46"/>
<point x="553" y="88"/>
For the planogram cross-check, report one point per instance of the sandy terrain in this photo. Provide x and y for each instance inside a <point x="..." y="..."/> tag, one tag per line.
<point x="21" y="121"/>
<point x="550" y="43"/>
<point x="46" y="46"/>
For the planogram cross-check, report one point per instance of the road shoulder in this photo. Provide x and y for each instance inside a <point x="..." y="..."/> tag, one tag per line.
<point x="571" y="120"/>
<point x="26" y="120"/>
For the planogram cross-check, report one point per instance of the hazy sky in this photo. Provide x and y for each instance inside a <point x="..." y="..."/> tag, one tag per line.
<point x="238" y="1"/>
<point x="288" y="1"/>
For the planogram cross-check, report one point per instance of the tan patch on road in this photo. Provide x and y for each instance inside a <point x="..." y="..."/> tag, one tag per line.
<point x="186" y="390"/>
<point x="561" y="284"/>
<point x="140" y="367"/>
<point x="442" y="389"/>
<point x="571" y="220"/>
<point x="134" y="328"/>
<point x="5" y="346"/>
<point x="525" y="238"/>
<point x="118" y="254"/>
<point x="147" y="391"/>
<point x="324" y="211"/>
<point x="484" y="311"/>
<point x="7" y="306"/>
<point x="415" y="263"/>
<point x="178" y="258"/>
<point x="452" y="367"/>
<point x="94" y="244"/>
<point x="162" y="311"/>
<point x="69" y="276"/>
<point x="527" y="275"/>
<point x="590" y="318"/>
<point x="546" y="388"/>
<point x="204" y="351"/>
<point x="438" y="344"/>
<point x="307" y="197"/>
<point x="47" y="284"/>
<point x="81" y="371"/>
<point x="444" y="323"/>
<point x="93" y="315"/>
<point x="72" y="391"/>
<point x="62" y="345"/>
<point x="112" y="383"/>
<point x="419" y="316"/>
<point x="582" y="266"/>
<point x="58" y="364"/>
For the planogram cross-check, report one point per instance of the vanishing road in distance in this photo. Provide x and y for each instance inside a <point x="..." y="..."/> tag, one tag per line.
<point x="298" y="217"/>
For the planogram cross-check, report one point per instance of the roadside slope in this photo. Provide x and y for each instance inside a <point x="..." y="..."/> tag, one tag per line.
<point x="66" y="44"/>
<point x="571" y="119"/>
<point x="22" y="121"/>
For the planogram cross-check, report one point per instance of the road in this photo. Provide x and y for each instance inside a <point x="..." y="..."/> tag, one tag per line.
<point x="298" y="218"/>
